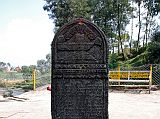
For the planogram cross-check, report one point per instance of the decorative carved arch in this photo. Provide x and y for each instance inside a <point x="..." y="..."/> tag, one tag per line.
<point x="80" y="35"/>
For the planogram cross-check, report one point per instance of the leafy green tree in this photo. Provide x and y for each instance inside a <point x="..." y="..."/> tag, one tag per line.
<point x="80" y="9"/>
<point x="48" y="62"/>
<point x="147" y="10"/>
<point x="112" y="16"/>
<point x="153" y="49"/>
<point x="26" y="70"/>
<point x="48" y="58"/>
<point x="156" y="37"/>
<point x="59" y="11"/>
<point x="44" y="65"/>
<point x="153" y="53"/>
<point x="63" y="11"/>
<point x="151" y="8"/>
<point x="41" y="65"/>
<point x="154" y="6"/>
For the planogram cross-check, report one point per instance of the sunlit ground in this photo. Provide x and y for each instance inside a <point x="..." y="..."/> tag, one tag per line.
<point x="121" y="105"/>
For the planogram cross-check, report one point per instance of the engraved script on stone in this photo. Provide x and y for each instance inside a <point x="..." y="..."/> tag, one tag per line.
<point x="79" y="72"/>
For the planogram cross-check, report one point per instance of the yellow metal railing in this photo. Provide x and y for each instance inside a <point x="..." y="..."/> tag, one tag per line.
<point x="131" y="74"/>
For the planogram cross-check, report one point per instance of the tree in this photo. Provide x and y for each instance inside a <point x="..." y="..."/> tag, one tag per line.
<point x="139" y="22"/>
<point x="154" y="48"/>
<point x="80" y="9"/>
<point x="156" y="36"/>
<point x="124" y="10"/>
<point x="112" y="16"/>
<point x="153" y="53"/>
<point x="48" y="58"/>
<point x="4" y="65"/>
<point x="48" y="62"/>
<point x="59" y="11"/>
<point x="132" y="18"/>
<point x="44" y="65"/>
<point x="41" y="65"/>
<point x="63" y="11"/>
<point x="26" y="70"/>
<point x="146" y="21"/>
<point x="153" y="8"/>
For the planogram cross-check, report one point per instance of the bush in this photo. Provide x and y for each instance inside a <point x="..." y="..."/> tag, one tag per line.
<point x="138" y="63"/>
<point x="153" y="53"/>
<point x="113" y="61"/>
<point x="141" y="50"/>
<point x="2" y="83"/>
<point x="133" y="53"/>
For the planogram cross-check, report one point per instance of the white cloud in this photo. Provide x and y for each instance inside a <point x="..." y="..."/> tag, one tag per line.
<point x="24" y="41"/>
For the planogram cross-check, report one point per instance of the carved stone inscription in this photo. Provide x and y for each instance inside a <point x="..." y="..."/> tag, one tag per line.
<point x="79" y="72"/>
<point x="79" y="99"/>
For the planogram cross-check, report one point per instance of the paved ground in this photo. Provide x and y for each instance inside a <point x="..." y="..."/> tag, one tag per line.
<point x="36" y="105"/>
<point x="134" y="106"/>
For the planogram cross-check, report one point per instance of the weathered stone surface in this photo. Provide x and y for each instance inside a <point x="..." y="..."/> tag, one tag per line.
<point x="79" y="72"/>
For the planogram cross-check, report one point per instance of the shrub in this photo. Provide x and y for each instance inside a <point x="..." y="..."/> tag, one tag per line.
<point x="153" y="52"/>
<point x="113" y="61"/>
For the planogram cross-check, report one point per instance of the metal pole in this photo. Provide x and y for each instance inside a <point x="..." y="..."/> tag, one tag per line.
<point x="34" y="79"/>
<point x="151" y="74"/>
<point x="119" y="75"/>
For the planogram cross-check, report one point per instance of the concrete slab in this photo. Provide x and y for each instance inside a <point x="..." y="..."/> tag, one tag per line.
<point x="121" y="106"/>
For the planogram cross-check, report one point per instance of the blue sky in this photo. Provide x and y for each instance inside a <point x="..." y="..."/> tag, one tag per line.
<point x="26" y="32"/>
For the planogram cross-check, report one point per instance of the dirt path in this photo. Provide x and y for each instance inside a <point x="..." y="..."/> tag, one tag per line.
<point x="36" y="105"/>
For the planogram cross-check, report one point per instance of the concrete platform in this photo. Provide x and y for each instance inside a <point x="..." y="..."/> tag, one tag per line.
<point x="36" y="105"/>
